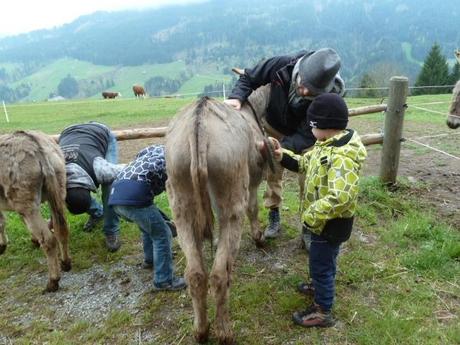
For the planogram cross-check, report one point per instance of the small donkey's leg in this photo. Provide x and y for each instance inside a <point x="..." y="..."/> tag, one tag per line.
<point x="40" y="231"/>
<point x="3" y="238"/>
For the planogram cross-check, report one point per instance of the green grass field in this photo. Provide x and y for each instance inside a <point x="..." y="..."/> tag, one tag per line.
<point x="398" y="280"/>
<point x="52" y="117"/>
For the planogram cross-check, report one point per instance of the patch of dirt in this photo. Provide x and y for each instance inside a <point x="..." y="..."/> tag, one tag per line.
<point x="129" y="148"/>
<point x="435" y="177"/>
<point x="88" y="296"/>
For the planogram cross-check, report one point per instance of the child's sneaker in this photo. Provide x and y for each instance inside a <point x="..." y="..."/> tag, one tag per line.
<point x="178" y="283"/>
<point x="313" y="317"/>
<point x="306" y="289"/>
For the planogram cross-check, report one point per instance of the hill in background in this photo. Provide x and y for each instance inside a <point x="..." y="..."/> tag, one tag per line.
<point x="183" y="49"/>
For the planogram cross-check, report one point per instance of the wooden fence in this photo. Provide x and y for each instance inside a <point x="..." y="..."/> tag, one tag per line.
<point x="391" y="138"/>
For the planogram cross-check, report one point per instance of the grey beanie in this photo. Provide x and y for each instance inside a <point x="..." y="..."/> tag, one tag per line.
<point x="318" y="70"/>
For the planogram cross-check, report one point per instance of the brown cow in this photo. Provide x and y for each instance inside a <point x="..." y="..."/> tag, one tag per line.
<point x="138" y="91"/>
<point x="33" y="170"/>
<point x="212" y="158"/>
<point x="108" y="94"/>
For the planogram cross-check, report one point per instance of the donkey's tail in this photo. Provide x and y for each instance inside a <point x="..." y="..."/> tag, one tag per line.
<point x="53" y="168"/>
<point x="199" y="172"/>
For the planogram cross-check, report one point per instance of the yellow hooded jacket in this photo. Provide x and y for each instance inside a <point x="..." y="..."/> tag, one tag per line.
<point x="332" y="170"/>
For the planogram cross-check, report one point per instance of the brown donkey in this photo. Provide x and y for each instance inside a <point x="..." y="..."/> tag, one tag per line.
<point x="33" y="171"/>
<point x="213" y="162"/>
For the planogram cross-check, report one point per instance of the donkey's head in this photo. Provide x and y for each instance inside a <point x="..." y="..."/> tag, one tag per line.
<point x="453" y="120"/>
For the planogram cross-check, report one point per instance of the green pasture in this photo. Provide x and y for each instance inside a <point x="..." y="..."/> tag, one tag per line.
<point x="46" y="79"/>
<point x="398" y="277"/>
<point x="52" y="117"/>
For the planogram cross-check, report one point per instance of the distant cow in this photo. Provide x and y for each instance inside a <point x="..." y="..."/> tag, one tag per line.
<point x="32" y="171"/>
<point x="138" y="91"/>
<point x="108" y="94"/>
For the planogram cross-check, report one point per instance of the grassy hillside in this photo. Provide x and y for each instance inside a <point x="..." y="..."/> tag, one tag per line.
<point x="125" y="77"/>
<point x="198" y="81"/>
<point x="46" y="80"/>
<point x="407" y="49"/>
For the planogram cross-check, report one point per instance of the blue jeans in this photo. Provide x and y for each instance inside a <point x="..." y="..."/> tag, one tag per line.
<point x="96" y="210"/>
<point x="323" y="265"/>
<point x="156" y="238"/>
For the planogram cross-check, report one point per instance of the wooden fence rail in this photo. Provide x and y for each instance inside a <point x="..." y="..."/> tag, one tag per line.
<point x="391" y="139"/>
<point x="157" y="132"/>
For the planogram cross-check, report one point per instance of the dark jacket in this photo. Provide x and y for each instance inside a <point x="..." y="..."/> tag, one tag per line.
<point x="82" y="143"/>
<point x="292" y="122"/>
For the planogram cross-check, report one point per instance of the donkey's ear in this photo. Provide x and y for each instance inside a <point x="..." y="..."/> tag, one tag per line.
<point x="239" y="71"/>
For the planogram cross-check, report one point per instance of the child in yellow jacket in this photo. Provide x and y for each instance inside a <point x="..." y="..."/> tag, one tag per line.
<point x="332" y="170"/>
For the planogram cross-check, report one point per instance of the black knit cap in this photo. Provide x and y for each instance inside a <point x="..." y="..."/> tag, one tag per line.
<point x="328" y="111"/>
<point x="317" y="71"/>
<point x="78" y="200"/>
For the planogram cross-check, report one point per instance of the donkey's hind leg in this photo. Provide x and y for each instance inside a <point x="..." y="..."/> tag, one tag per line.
<point x="40" y="231"/>
<point x="252" y="213"/>
<point x="3" y="238"/>
<point x="196" y="276"/>
<point x="61" y="231"/>
<point x="227" y="249"/>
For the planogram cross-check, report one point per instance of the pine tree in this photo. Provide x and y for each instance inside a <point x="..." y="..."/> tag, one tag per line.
<point x="435" y="71"/>
<point x="68" y="87"/>
<point x="455" y="75"/>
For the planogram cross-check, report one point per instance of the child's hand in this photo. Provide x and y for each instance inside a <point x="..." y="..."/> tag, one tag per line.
<point x="277" y="149"/>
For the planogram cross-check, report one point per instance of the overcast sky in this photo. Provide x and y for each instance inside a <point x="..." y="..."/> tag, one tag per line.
<point x="18" y="16"/>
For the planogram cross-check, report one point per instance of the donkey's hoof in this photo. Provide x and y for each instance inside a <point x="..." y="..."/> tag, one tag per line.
<point x="52" y="286"/>
<point x="2" y="248"/>
<point x="202" y="337"/>
<point x="35" y="243"/>
<point x="228" y="339"/>
<point x="66" y="265"/>
<point x="259" y="240"/>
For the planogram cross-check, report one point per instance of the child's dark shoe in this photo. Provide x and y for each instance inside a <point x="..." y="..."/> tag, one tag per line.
<point x="178" y="283"/>
<point x="313" y="317"/>
<point x="147" y="265"/>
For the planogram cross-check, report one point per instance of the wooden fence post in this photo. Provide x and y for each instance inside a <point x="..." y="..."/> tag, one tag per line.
<point x="394" y="117"/>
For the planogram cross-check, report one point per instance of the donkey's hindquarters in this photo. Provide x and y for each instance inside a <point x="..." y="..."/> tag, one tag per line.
<point x="212" y="159"/>
<point x="33" y="170"/>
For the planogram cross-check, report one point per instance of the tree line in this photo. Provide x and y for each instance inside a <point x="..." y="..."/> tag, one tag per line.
<point x="435" y="71"/>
